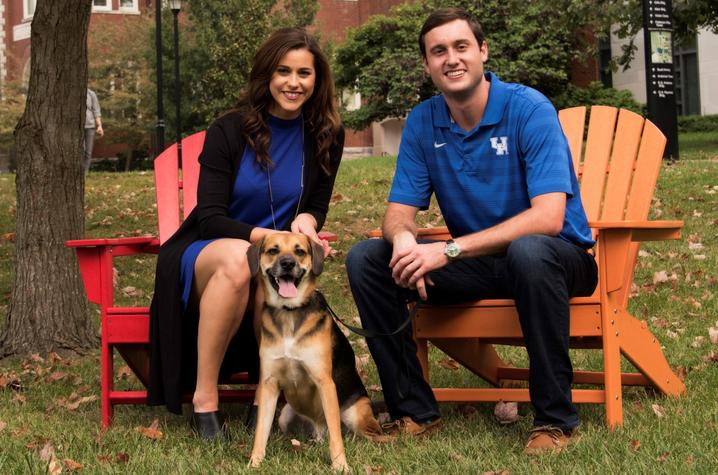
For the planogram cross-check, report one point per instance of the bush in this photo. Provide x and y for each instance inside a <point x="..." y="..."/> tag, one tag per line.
<point x="697" y="123"/>
<point x="596" y="94"/>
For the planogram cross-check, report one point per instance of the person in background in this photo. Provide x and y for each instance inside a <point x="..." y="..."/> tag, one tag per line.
<point x="93" y="124"/>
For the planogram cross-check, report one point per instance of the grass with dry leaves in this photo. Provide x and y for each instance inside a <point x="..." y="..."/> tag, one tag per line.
<point x="49" y="404"/>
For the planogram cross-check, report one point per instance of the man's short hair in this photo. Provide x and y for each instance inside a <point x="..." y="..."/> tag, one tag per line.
<point x="445" y="15"/>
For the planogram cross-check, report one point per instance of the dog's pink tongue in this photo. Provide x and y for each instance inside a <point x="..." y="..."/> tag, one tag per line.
<point x="287" y="289"/>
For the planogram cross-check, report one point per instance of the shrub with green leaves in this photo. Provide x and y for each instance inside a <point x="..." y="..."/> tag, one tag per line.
<point x="698" y="123"/>
<point x="595" y="94"/>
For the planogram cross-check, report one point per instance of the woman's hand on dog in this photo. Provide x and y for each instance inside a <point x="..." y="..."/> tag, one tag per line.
<point x="305" y="224"/>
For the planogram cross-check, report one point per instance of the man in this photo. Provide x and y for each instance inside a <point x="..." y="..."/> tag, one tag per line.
<point x="496" y="158"/>
<point x="93" y="122"/>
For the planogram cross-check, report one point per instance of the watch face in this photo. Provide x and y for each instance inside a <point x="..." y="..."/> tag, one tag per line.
<point x="452" y="249"/>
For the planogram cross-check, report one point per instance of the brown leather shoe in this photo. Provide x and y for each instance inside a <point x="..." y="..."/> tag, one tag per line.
<point x="547" y="439"/>
<point x="407" y="426"/>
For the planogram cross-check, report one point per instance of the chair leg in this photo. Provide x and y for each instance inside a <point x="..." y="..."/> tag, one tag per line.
<point x="107" y="384"/>
<point x="612" y="366"/>
<point x="643" y="350"/>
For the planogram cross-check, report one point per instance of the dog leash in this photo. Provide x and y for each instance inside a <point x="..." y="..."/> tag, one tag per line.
<point x="403" y="372"/>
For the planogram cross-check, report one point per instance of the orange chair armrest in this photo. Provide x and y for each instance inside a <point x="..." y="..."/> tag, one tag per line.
<point x="642" y="230"/>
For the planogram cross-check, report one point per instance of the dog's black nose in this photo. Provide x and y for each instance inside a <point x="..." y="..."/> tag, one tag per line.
<point x="287" y="263"/>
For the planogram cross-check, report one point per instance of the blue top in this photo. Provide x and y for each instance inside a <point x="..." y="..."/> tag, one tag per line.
<point x="489" y="174"/>
<point x="250" y="201"/>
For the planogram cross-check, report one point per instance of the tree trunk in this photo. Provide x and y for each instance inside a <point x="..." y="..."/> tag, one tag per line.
<point x="48" y="310"/>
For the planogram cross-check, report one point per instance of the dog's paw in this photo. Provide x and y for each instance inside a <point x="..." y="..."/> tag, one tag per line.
<point x="340" y="465"/>
<point x="255" y="461"/>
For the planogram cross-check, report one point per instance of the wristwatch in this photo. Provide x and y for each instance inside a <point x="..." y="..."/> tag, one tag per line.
<point x="452" y="249"/>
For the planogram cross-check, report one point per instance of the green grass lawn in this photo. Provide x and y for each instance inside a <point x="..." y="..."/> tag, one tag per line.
<point x="41" y="428"/>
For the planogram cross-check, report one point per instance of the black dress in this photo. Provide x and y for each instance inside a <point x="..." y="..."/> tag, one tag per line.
<point x="173" y="334"/>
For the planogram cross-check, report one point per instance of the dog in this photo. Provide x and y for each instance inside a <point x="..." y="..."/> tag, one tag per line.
<point x="303" y="352"/>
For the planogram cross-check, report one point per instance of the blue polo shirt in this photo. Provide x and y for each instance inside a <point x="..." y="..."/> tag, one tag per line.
<point x="489" y="174"/>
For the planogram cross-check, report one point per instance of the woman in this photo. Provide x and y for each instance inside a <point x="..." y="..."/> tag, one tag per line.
<point x="269" y="164"/>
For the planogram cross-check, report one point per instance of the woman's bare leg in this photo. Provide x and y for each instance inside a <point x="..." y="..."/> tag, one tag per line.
<point x="222" y="282"/>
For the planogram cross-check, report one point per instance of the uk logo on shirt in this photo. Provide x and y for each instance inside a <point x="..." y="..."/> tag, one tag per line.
<point x="500" y="144"/>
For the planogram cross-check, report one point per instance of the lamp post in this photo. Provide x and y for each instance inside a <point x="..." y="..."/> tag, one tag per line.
<point x="175" y="6"/>
<point x="160" y="127"/>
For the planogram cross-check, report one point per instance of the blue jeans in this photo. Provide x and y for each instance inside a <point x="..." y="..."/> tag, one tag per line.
<point x="539" y="272"/>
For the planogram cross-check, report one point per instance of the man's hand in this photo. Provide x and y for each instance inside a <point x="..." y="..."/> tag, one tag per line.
<point x="410" y="262"/>
<point x="305" y="224"/>
<point x="100" y="130"/>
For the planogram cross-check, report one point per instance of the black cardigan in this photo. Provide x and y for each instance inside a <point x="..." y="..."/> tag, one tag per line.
<point x="173" y="335"/>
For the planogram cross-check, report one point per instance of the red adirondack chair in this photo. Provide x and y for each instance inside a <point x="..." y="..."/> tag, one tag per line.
<point x="126" y="329"/>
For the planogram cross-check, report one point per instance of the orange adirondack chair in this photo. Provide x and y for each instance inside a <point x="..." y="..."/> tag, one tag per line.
<point x="126" y="329"/>
<point x="618" y="173"/>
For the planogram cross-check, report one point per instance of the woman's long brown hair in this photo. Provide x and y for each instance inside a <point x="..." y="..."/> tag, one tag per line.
<point x="320" y="113"/>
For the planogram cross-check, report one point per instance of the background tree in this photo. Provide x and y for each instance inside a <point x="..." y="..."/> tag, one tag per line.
<point x="218" y="45"/>
<point x="528" y="43"/>
<point x="121" y="72"/>
<point x="47" y="308"/>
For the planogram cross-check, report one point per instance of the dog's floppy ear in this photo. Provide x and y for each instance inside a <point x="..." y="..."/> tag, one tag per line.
<point x="253" y="253"/>
<point x="317" y="258"/>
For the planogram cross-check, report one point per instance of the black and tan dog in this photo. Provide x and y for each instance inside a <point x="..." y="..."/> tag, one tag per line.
<point x="303" y="352"/>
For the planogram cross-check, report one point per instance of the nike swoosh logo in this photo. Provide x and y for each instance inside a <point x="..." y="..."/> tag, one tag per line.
<point x="439" y="145"/>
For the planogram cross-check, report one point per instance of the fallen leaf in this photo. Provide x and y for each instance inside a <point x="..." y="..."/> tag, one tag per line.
<point x="663" y="457"/>
<point x="713" y="335"/>
<point x="122" y="458"/>
<point x="448" y="363"/>
<point x="54" y="467"/>
<point x="681" y="373"/>
<point x="658" y="410"/>
<point x="372" y="470"/>
<point x="47" y="452"/>
<point x="8" y="237"/>
<point x="37" y="358"/>
<point x="695" y="246"/>
<point x="56" y="376"/>
<point x="361" y="361"/>
<point x="103" y="459"/>
<point x="151" y="432"/>
<point x="72" y="465"/>
<point x="634" y="445"/>
<point x="124" y="372"/>
<point x="506" y="412"/>
<point x="71" y="406"/>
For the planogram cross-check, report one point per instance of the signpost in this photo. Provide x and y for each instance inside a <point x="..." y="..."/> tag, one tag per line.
<point x="660" y="86"/>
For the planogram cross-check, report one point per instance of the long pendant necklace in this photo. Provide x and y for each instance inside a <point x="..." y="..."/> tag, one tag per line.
<point x="301" y="185"/>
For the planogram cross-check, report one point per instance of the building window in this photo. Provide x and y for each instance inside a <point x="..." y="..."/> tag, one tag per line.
<point x="102" y="5"/>
<point x="129" y="5"/>
<point x="28" y="9"/>
<point x="685" y="61"/>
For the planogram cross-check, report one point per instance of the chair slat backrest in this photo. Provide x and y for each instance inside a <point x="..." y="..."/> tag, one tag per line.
<point x="601" y="129"/>
<point x="191" y="148"/>
<point x="619" y="168"/>
<point x="169" y="187"/>
<point x="573" y="121"/>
